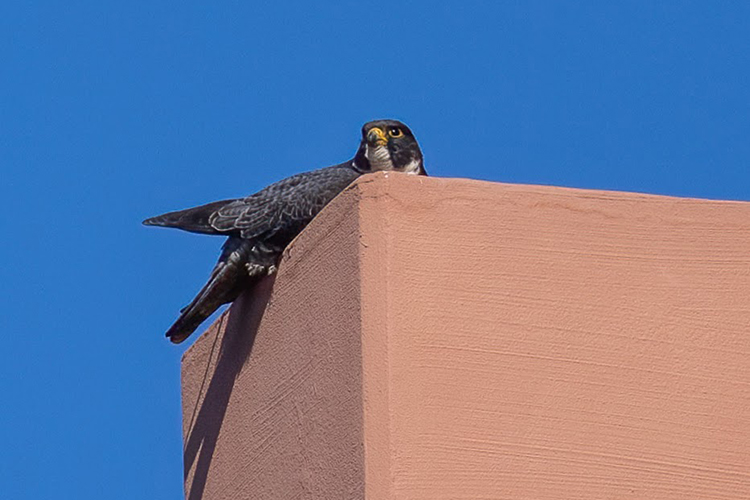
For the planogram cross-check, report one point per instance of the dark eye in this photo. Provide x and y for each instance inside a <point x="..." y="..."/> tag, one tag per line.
<point x="395" y="132"/>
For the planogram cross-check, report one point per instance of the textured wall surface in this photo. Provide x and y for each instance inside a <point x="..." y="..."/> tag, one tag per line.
<point x="271" y="392"/>
<point x="451" y="339"/>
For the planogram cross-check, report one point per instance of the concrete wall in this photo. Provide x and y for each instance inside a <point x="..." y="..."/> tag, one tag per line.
<point x="434" y="339"/>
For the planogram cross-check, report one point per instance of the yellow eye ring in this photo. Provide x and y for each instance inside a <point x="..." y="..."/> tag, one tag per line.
<point x="395" y="132"/>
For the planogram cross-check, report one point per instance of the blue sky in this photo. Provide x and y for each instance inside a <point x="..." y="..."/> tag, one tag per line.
<point x="114" y="111"/>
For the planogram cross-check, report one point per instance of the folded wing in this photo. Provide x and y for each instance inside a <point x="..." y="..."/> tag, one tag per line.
<point x="195" y="220"/>
<point x="277" y="212"/>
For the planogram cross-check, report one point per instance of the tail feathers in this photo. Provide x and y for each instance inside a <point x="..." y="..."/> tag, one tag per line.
<point x="194" y="220"/>
<point x="223" y="286"/>
<point x="185" y="326"/>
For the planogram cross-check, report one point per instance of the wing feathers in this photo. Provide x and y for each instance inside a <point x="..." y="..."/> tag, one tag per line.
<point x="195" y="220"/>
<point x="287" y="204"/>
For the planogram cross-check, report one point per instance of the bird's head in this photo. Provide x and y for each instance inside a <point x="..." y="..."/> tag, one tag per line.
<point x="389" y="145"/>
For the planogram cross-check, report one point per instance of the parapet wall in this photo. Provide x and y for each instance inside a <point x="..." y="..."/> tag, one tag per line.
<point x="431" y="338"/>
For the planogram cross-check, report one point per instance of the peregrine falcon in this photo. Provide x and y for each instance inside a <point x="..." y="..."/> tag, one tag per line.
<point x="260" y="226"/>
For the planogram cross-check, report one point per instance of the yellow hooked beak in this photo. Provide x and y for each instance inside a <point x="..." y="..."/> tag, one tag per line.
<point x="376" y="137"/>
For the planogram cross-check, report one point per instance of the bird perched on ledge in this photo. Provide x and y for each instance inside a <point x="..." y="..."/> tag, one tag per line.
<point x="260" y="226"/>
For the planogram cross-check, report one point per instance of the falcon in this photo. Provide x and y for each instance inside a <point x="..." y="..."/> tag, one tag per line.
<point x="260" y="226"/>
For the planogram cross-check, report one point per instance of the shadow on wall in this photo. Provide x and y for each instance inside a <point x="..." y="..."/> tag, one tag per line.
<point x="235" y="341"/>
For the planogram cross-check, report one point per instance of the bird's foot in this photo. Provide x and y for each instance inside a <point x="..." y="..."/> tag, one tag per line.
<point x="255" y="270"/>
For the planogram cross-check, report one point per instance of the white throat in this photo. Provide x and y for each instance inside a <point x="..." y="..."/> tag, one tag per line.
<point x="379" y="158"/>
